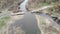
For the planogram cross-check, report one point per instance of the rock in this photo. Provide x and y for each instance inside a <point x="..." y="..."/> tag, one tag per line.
<point x="58" y="21"/>
<point x="18" y="7"/>
<point x="0" y="12"/>
<point x="54" y="18"/>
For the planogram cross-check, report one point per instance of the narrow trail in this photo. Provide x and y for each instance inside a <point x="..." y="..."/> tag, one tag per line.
<point x="44" y="7"/>
<point x="29" y="22"/>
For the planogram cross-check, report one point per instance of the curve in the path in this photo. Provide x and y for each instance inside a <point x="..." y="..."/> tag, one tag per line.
<point x="28" y="24"/>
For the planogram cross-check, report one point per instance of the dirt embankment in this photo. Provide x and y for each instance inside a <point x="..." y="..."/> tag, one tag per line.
<point x="46" y="26"/>
<point x="34" y="4"/>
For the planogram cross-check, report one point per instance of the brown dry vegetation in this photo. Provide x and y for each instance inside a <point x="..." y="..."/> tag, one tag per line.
<point x="4" y="4"/>
<point x="34" y="4"/>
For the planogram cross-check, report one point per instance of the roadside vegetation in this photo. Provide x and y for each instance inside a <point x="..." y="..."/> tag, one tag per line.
<point x="3" y="21"/>
<point x="7" y="4"/>
<point x="54" y="10"/>
<point x="46" y="27"/>
<point x="39" y="3"/>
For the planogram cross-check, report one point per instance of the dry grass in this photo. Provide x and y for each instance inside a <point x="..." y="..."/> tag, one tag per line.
<point x="46" y="27"/>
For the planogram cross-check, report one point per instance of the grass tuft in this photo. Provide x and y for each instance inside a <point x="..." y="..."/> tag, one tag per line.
<point x="3" y="21"/>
